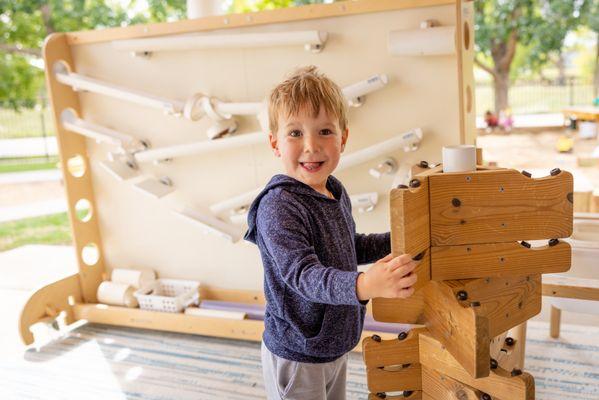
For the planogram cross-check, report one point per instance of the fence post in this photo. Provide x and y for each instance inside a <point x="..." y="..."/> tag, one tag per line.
<point x="43" y="121"/>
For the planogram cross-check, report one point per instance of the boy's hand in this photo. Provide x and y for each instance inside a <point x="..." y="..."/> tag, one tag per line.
<point x="389" y="277"/>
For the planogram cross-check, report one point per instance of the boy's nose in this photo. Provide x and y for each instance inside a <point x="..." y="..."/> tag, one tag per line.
<point x="310" y="144"/>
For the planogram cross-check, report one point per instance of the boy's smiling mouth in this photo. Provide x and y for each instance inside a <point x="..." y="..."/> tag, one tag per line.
<point x="312" y="166"/>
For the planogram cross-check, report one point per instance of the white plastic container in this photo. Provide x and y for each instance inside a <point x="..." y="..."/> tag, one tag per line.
<point x="587" y="130"/>
<point x="169" y="295"/>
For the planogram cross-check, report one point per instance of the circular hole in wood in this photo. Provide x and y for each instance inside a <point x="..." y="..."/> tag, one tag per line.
<point x="76" y="166"/>
<point x="83" y="210"/>
<point x="90" y="254"/>
<point x="466" y="35"/>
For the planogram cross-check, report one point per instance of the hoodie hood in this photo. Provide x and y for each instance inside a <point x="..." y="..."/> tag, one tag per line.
<point x="291" y="185"/>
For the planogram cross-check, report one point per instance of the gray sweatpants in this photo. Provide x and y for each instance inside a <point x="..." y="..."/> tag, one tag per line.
<point x="284" y="379"/>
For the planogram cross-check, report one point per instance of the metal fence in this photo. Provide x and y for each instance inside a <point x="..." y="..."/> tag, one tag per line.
<point x="537" y="97"/>
<point x="27" y="136"/>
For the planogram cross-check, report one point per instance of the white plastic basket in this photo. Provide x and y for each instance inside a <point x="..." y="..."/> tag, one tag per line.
<point x="169" y="295"/>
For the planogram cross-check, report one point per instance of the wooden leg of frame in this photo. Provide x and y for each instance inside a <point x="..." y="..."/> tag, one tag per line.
<point x="556" y="318"/>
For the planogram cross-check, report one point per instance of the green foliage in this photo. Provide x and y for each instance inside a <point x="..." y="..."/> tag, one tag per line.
<point x="241" y="6"/>
<point x="48" y="229"/>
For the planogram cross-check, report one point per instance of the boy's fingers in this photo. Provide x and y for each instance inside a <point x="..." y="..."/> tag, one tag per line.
<point x="405" y="293"/>
<point x="386" y="258"/>
<point x="404" y="269"/>
<point x="399" y="261"/>
<point x="407" y="281"/>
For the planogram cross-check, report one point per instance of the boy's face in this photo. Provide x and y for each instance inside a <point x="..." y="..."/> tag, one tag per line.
<point x="309" y="147"/>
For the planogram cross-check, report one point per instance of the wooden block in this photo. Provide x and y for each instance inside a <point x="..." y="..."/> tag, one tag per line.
<point x="499" y="206"/>
<point x="394" y="378"/>
<point x="582" y="201"/>
<point x="504" y="302"/>
<point x="408" y="311"/>
<point x="462" y="330"/>
<point x="441" y="386"/>
<point x="595" y="201"/>
<point x="571" y="288"/>
<point x="497" y="260"/>
<point x="391" y="352"/>
<point x="497" y="345"/>
<point x="500" y="385"/>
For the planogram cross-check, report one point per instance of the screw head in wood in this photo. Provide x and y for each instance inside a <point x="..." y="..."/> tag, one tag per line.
<point x="402" y="335"/>
<point x="402" y="186"/>
<point x="525" y="244"/>
<point x="407" y="393"/>
<point x="555" y="171"/>
<point x="485" y="396"/>
<point x="494" y="363"/>
<point x="414" y="183"/>
<point x="423" y="164"/>
<point x="381" y="395"/>
<point x="526" y="174"/>
<point x="376" y="338"/>
<point x="462" y="295"/>
<point x="553" y="242"/>
<point x="510" y="341"/>
<point x="456" y="202"/>
<point x="516" y="372"/>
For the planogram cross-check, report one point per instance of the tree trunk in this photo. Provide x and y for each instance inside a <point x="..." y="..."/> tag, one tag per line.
<point x="596" y="80"/>
<point x="502" y="85"/>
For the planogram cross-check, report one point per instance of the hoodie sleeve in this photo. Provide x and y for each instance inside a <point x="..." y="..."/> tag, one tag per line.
<point x="372" y="247"/>
<point x="284" y="231"/>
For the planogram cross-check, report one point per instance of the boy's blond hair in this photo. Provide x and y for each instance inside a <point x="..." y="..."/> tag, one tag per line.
<point x="306" y="90"/>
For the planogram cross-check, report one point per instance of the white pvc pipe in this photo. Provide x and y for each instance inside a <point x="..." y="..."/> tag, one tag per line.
<point x="71" y="122"/>
<point x="432" y="41"/>
<point x="244" y="40"/>
<point x="211" y="224"/>
<point x="81" y="82"/>
<point x="238" y="108"/>
<point x="203" y="147"/>
<point x="366" y="86"/>
<point x="404" y="140"/>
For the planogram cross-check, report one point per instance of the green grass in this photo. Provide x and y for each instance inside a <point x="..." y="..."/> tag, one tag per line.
<point x="28" y="165"/>
<point x="25" y="123"/>
<point x="48" y="229"/>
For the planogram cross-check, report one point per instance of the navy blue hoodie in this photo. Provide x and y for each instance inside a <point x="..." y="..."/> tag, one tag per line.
<point x="310" y="251"/>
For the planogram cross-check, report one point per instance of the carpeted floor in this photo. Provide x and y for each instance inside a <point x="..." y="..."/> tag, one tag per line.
<point x="102" y="362"/>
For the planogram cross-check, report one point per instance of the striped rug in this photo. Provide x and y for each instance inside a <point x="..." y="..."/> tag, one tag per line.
<point x="105" y="363"/>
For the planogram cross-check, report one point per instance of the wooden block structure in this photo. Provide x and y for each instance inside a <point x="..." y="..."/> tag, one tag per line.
<point x="478" y="279"/>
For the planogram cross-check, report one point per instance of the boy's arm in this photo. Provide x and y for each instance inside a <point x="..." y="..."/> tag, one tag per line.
<point x="370" y="248"/>
<point x="284" y="233"/>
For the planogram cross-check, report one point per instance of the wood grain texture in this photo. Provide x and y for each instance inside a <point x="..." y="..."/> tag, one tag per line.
<point x="415" y="395"/>
<point x="462" y="330"/>
<point x="408" y="311"/>
<point x="498" y="206"/>
<point x="499" y="384"/>
<point x="571" y="288"/>
<point x="497" y="260"/>
<point x="505" y="302"/>
<point x="393" y="379"/>
<point x="391" y="352"/>
<point x="443" y="387"/>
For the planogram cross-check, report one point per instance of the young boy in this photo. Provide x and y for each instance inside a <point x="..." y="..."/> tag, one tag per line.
<point x="303" y="226"/>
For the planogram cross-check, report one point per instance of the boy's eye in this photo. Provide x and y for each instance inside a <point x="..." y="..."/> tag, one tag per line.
<point x="326" y="132"/>
<point x="295" y="133"/>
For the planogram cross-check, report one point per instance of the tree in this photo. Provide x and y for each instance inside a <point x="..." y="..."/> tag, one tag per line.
<point x="540" y="25"/>
<point x="591" y="19"/>
<point x="25" y="23"/>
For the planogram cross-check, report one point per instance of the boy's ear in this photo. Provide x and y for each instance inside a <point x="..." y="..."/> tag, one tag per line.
<point x="344" y="138"/>
<point x="272" y="138"/>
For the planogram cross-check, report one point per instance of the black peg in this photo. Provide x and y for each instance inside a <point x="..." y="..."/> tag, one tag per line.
<point x="494" y="363"/>
<point x="485" y="396"/>
<point x="414" y="183"/>
<point x="419" y="256"/>
<point x="553" y="242"/>
<point x="516" y="372"/>
<point x="456" y="202"/>
<point x="509" y="341"/>
<point x="526" y="174"/>
<point x="402" y="335"/>
<point x="376" y="338"/>
<point x="381" y="395"/>
<point x="525" y="244"/>
<point x="407" y="393"/>
<point x="423" y="164"/>
<point x="402" y="186"/>
<point x="462" y="295"/>
<point x="475" y="304"/>
<point x="555" y="171"/>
